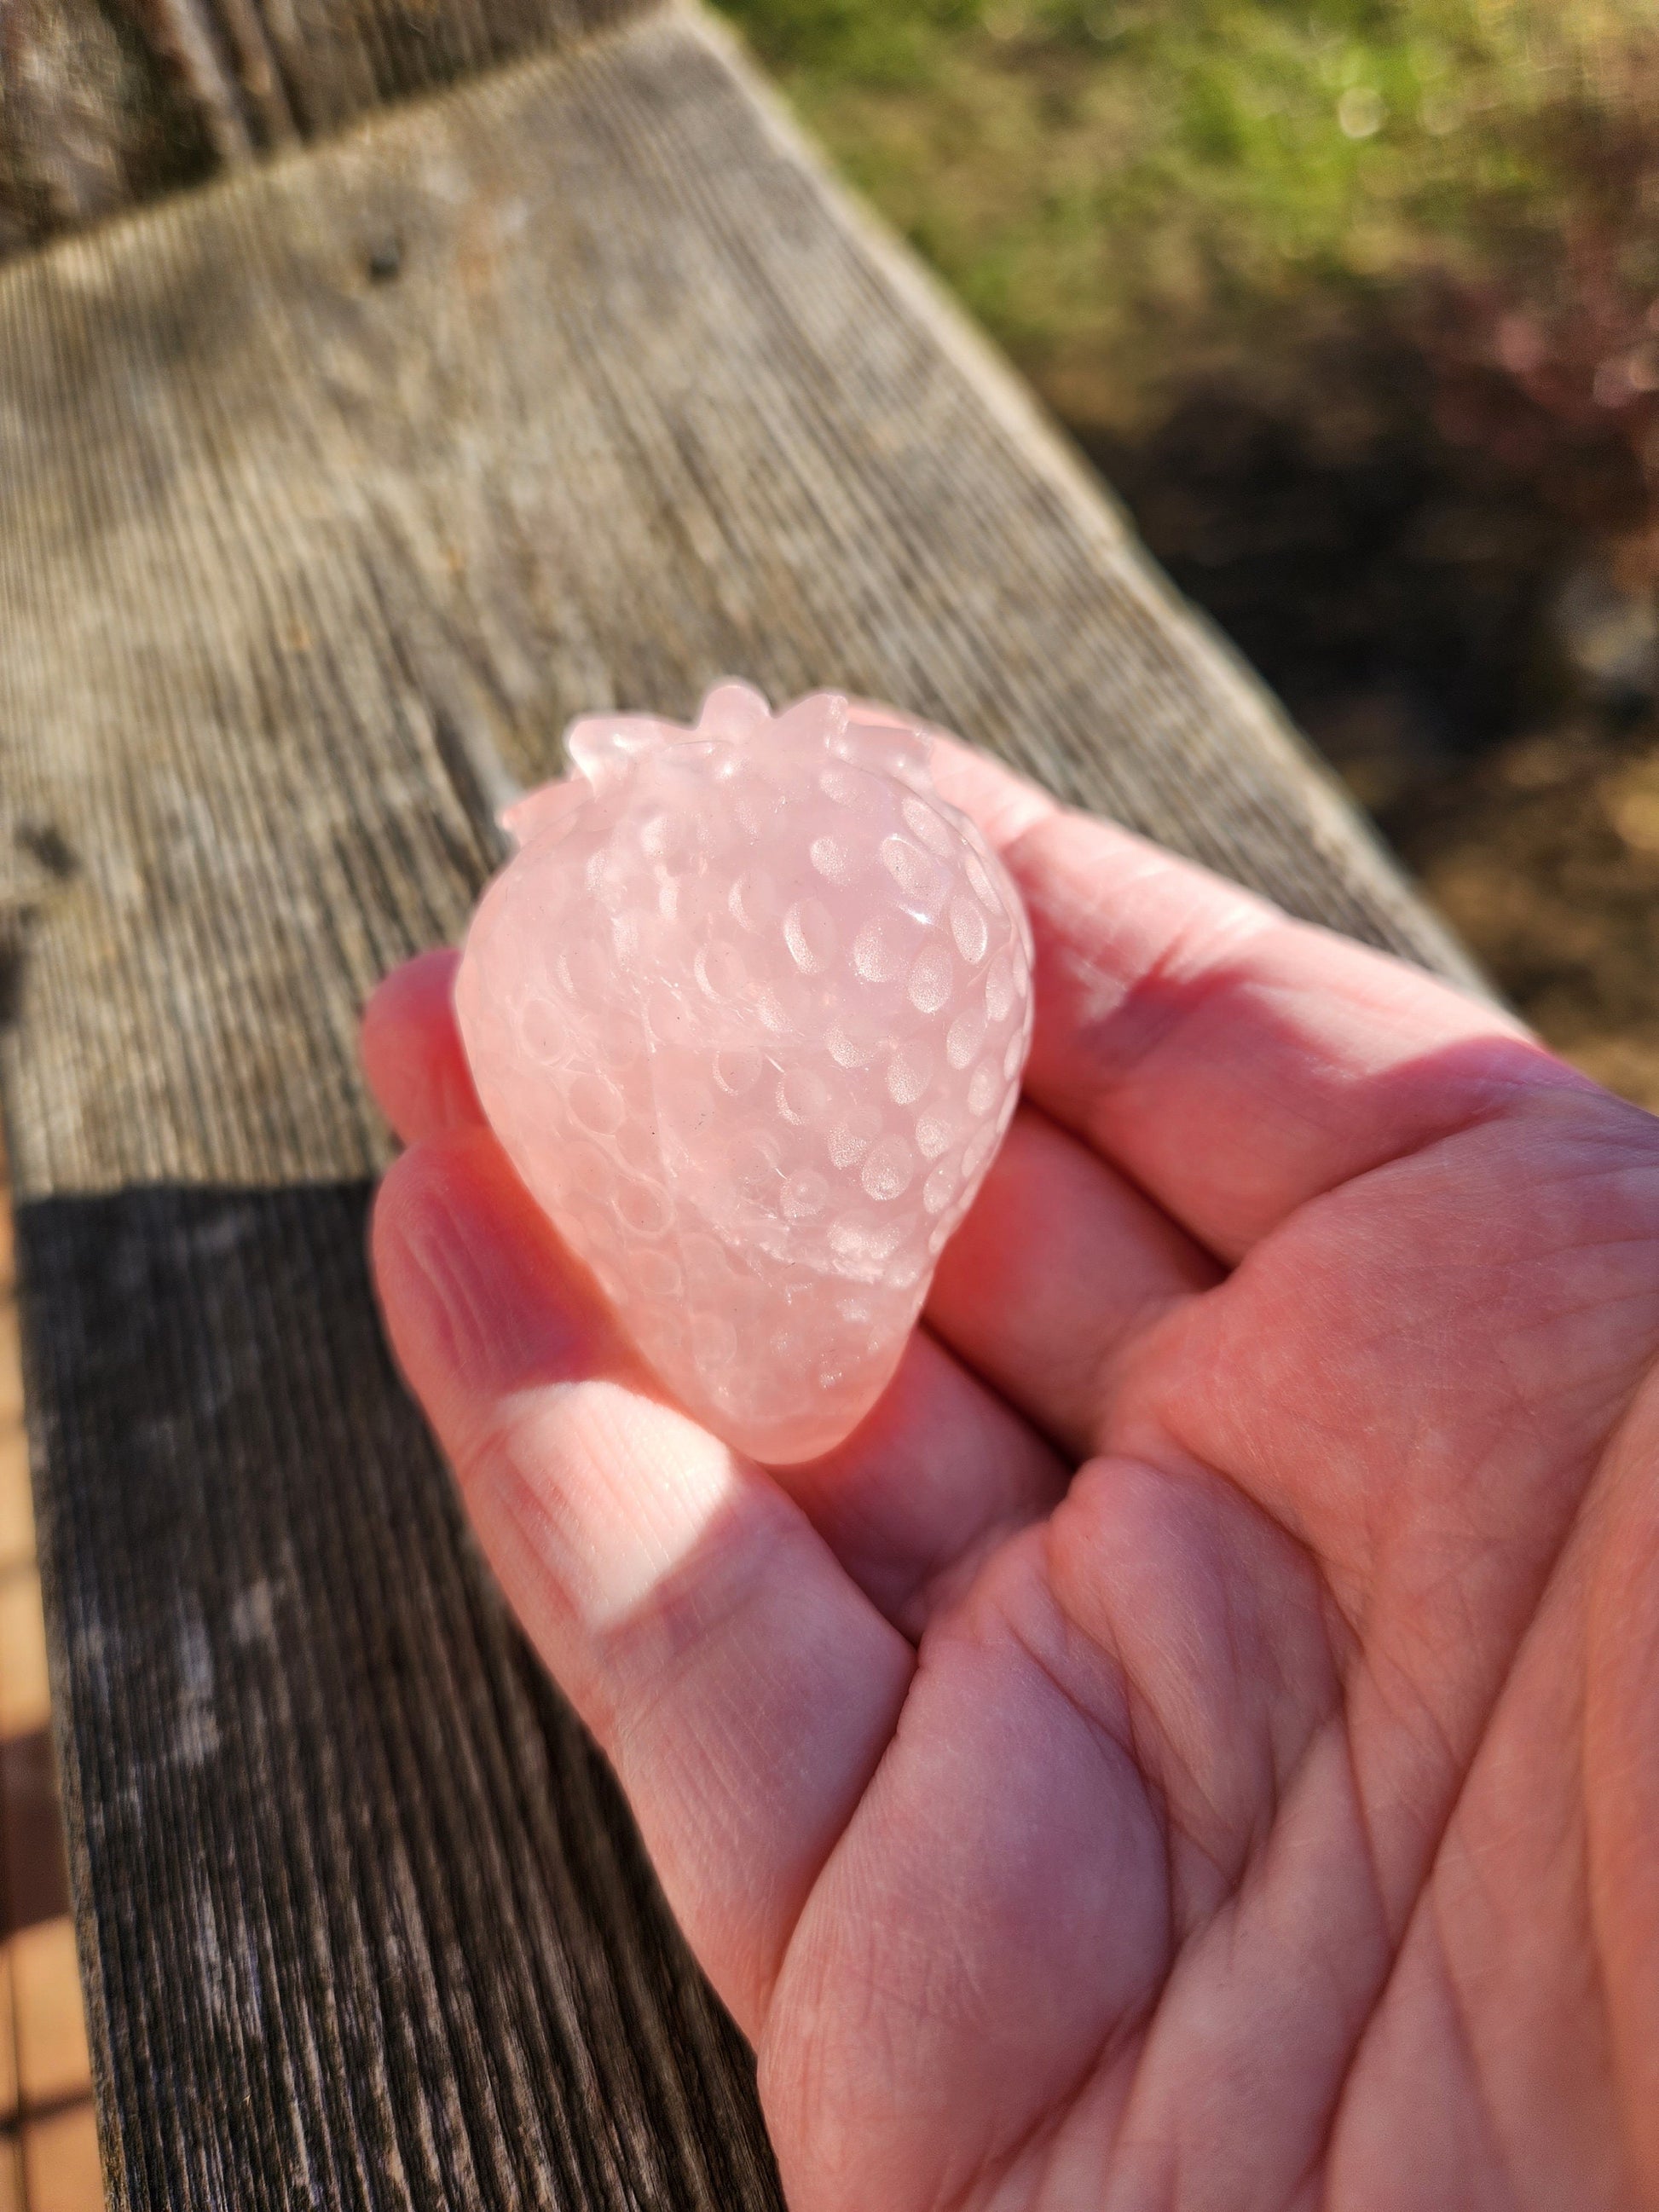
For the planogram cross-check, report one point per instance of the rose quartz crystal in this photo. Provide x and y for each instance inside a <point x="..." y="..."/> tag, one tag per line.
<point x="748" y="1011"/>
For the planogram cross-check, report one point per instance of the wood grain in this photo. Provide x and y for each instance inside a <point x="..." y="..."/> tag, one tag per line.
<point x="364" y="1921"/>
<point x="297" y="546"/>
<point x="104" y="103"/>
<point x="326" y="494"/>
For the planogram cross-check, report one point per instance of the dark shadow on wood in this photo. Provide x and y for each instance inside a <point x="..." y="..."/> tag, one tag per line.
<point x="413" y="1953"/>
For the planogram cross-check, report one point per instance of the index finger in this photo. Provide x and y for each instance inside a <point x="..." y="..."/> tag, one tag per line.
<point x="742" y="1686"/>
<point x="1235" y="1062"/>
<point x="412" y="1049"/>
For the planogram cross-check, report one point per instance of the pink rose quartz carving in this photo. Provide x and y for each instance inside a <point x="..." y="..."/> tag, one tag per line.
<point x="748" y="1010"/>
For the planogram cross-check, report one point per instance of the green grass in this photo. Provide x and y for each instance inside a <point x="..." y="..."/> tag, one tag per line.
<point x="1131" y="192"/>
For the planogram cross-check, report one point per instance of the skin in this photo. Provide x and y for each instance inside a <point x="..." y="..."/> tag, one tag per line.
<point x="1197" y="1744"/>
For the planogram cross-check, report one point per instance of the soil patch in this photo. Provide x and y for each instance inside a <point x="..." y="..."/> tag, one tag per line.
<point x="1453" y="631"/>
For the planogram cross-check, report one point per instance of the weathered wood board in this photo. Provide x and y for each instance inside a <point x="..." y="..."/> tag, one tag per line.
<point x="102" y="105"/>
<point x="323" y="492"/>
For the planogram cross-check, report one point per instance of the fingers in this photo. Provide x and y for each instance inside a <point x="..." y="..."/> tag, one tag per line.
<point x="1059" y="1260"/>
<point x="412" y="1049"/>
<point x="937" y="1471"/>
<point x="743" y="1687"/>
<point x="1234" y="1062"/>
<point x="995" y="1919"/>
<point x="939" y="1464"/>
<point x="1060" y="1263"/>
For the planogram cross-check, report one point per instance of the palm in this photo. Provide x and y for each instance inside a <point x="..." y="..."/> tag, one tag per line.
<point x="1194" y="1745"/>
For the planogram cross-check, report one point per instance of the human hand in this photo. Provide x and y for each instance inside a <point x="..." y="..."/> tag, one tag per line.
<point x="1197" y="1744"/>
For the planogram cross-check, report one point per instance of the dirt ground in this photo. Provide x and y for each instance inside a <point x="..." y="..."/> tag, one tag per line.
<point x="1460" y="648"/>
<point x="1545" y="855"/>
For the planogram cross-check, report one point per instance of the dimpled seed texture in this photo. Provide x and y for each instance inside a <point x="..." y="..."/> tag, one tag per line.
<point x="748" y="1011"/>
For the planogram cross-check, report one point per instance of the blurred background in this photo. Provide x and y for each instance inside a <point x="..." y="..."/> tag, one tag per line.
<point x="1357" y="307"/>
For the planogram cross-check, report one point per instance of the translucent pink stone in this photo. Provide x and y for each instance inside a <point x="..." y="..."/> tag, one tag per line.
<point x="748" y="1010"/>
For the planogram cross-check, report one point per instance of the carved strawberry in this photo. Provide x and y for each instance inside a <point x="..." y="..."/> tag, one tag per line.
<point x="748" y="1011"/>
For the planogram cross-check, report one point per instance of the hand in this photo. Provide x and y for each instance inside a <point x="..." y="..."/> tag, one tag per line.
<point x="1198" y="1743"/>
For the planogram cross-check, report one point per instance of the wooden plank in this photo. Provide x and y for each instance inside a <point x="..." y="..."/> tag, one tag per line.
<point x="101" y="108"/>
<point x="296" y="550"/>
<point x="639" y="409"/>
<point x="362" y="1921"/>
